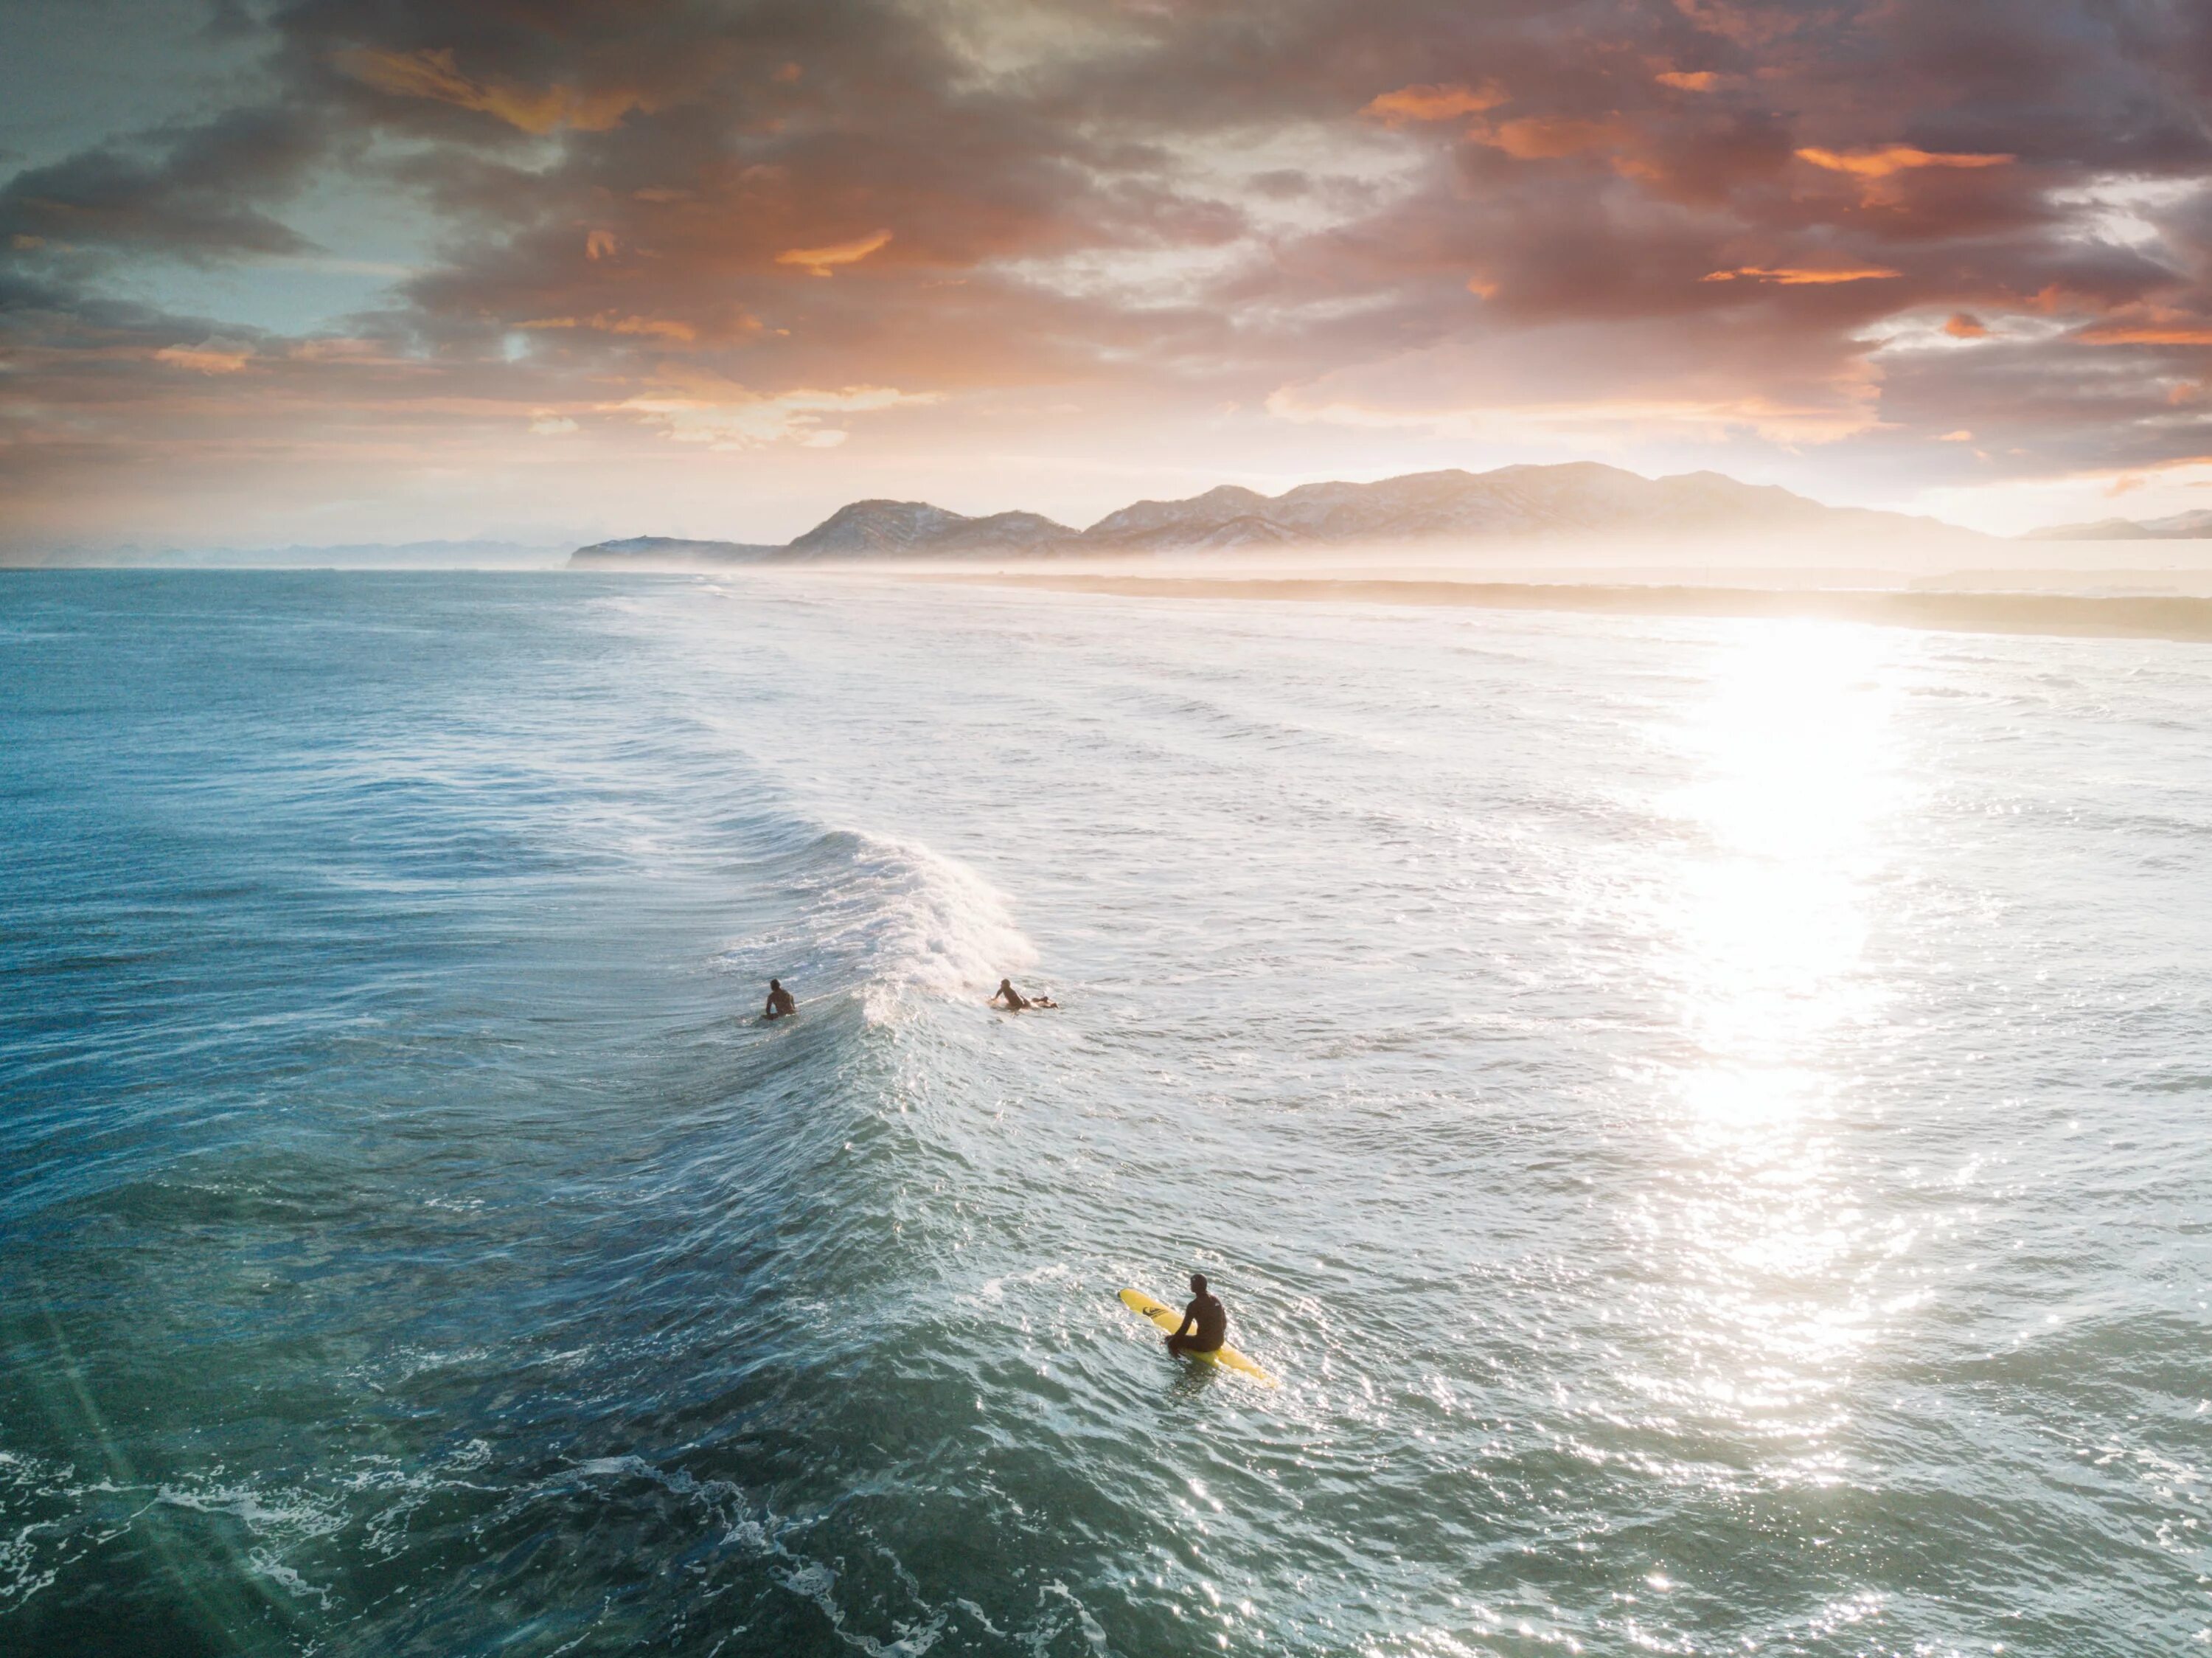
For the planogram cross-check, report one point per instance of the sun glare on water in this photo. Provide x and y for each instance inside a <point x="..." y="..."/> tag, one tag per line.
<point x="1761" y="942"/>
<point x="1792" y="743"/>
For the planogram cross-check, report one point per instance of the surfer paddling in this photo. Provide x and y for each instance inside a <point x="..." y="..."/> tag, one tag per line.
<point x="1015" y="1001"/>
<point x="1205" y="1324"/>
<point x="779" y="1003"/>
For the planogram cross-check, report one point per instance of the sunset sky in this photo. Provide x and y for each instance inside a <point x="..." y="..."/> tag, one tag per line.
<point x="337" y="271"/>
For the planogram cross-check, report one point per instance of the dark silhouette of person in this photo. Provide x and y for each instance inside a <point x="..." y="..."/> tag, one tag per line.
<point x="1016" y="1000"/>
<point x="779" y="1001"/>
<point x="1205" y="1324"/>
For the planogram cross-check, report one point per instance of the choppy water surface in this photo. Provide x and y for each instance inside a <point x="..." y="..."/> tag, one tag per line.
<point x="1707" y="1119"/>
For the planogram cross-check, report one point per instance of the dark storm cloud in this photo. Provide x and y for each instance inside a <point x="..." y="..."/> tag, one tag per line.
<point x="193" y="191"/>
<point x="1319" y="202"/>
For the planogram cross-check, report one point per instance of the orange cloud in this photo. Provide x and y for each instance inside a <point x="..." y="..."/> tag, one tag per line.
<point x="1965" y="327"/>
<point x="1894" y="158"/>
<point x="695" y="405"/>
<point x="2146" y="333"/>
<point x="1688" y="80"/>
<point x="600" y="245"/>
<point x="1877" y="169"/>
<point x="341" y="347"/>
<point x="210" y="357"/>
<point x="609" y="322"/>
<point x="819" y="261"/>
<point x="1962" y="435"/>
<point x="433" y="74"/>
<point x="1433" y="102"/>
<point x="1545" y="137"/>
<point x="1797" y="277"/>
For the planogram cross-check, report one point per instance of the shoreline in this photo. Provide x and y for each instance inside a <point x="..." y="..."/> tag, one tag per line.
<point x="2178" y="617"/>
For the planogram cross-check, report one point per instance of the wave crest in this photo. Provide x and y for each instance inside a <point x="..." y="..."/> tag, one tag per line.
<point x="901" y="920"/>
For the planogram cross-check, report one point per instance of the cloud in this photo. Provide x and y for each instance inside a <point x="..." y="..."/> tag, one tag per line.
<point x="431" y="73"/>
<point x="1754" y="25"/>
<point x="1151" y="212"/>
<point x="1881" y="172"/>
<point x="1434" y="102"/>
<point x="1801" y="276"/>
<point x="609" y="322"/>
<point x="342" y="348"/>
<point x="696" y="406"/>
<point x="820" y="261"/>
<point x="1599" y="426"/>
<point x="2147" y="333"/>
<point x="1889" y="159"/>
<point x="1599" y="387"/>
<point x="196" y="192"/>
<point x="210" y="357"/>
<point x="1546" y="137"/>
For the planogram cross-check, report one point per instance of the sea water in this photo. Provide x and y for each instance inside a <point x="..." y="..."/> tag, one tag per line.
<point x="1707" y="1118"/>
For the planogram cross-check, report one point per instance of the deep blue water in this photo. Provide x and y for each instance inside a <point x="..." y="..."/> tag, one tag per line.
<point x="1707" y="1118"/>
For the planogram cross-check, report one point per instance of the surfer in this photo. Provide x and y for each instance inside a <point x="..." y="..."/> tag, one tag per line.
<point x="779" y="1001"/>
<point x="1206" y="1320"/>
<point x="1016" y="1000"/>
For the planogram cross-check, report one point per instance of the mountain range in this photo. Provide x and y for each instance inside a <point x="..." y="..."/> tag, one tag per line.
<point x="1577" y="498"/>
<point x="2182" y="527"/>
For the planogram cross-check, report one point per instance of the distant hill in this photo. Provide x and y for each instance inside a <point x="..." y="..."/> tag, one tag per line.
<point x="884" y="528"/>
<point x="1578" y="498"/>
<point x="865" y="529"/>
<point x="2182" y="527"/>
<point x="1581" y="497"/>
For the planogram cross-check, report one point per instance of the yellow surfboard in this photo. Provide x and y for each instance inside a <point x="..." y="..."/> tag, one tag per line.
<point x="1171" y="1321"/>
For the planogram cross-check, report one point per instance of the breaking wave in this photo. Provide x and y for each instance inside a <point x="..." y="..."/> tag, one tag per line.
<point x="888" y="920"/>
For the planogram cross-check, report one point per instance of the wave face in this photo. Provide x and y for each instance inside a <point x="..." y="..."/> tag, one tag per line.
<point x="1703" y="1116"/>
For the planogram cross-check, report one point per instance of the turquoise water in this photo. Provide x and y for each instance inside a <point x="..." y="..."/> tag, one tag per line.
<point x="1707" y="1118"/>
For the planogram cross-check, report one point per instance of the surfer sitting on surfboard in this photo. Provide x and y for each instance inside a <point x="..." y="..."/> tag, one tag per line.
<point x="1016" y="1000"/>
<point x="779" y="1001"/>
<point x="1206" y="1320"/>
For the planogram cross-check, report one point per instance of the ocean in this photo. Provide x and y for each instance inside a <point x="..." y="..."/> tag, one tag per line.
<point x="1706" y="1117"/>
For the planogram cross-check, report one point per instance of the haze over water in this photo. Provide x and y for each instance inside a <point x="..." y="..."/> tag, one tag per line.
<point x="1704" y="1118"/>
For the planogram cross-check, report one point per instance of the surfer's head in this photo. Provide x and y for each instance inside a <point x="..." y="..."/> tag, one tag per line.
<point x="775" y="984"/>
<point x="1006" y="983"/>
<point x="1197" y="1283"/>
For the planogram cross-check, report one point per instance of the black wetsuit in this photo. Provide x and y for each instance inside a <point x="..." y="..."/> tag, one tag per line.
<point x="779" y="1003"/>
<point x="1211" y="1319"/>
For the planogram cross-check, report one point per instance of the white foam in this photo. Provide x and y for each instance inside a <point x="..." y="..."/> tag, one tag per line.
<point x="906" y="922"/>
